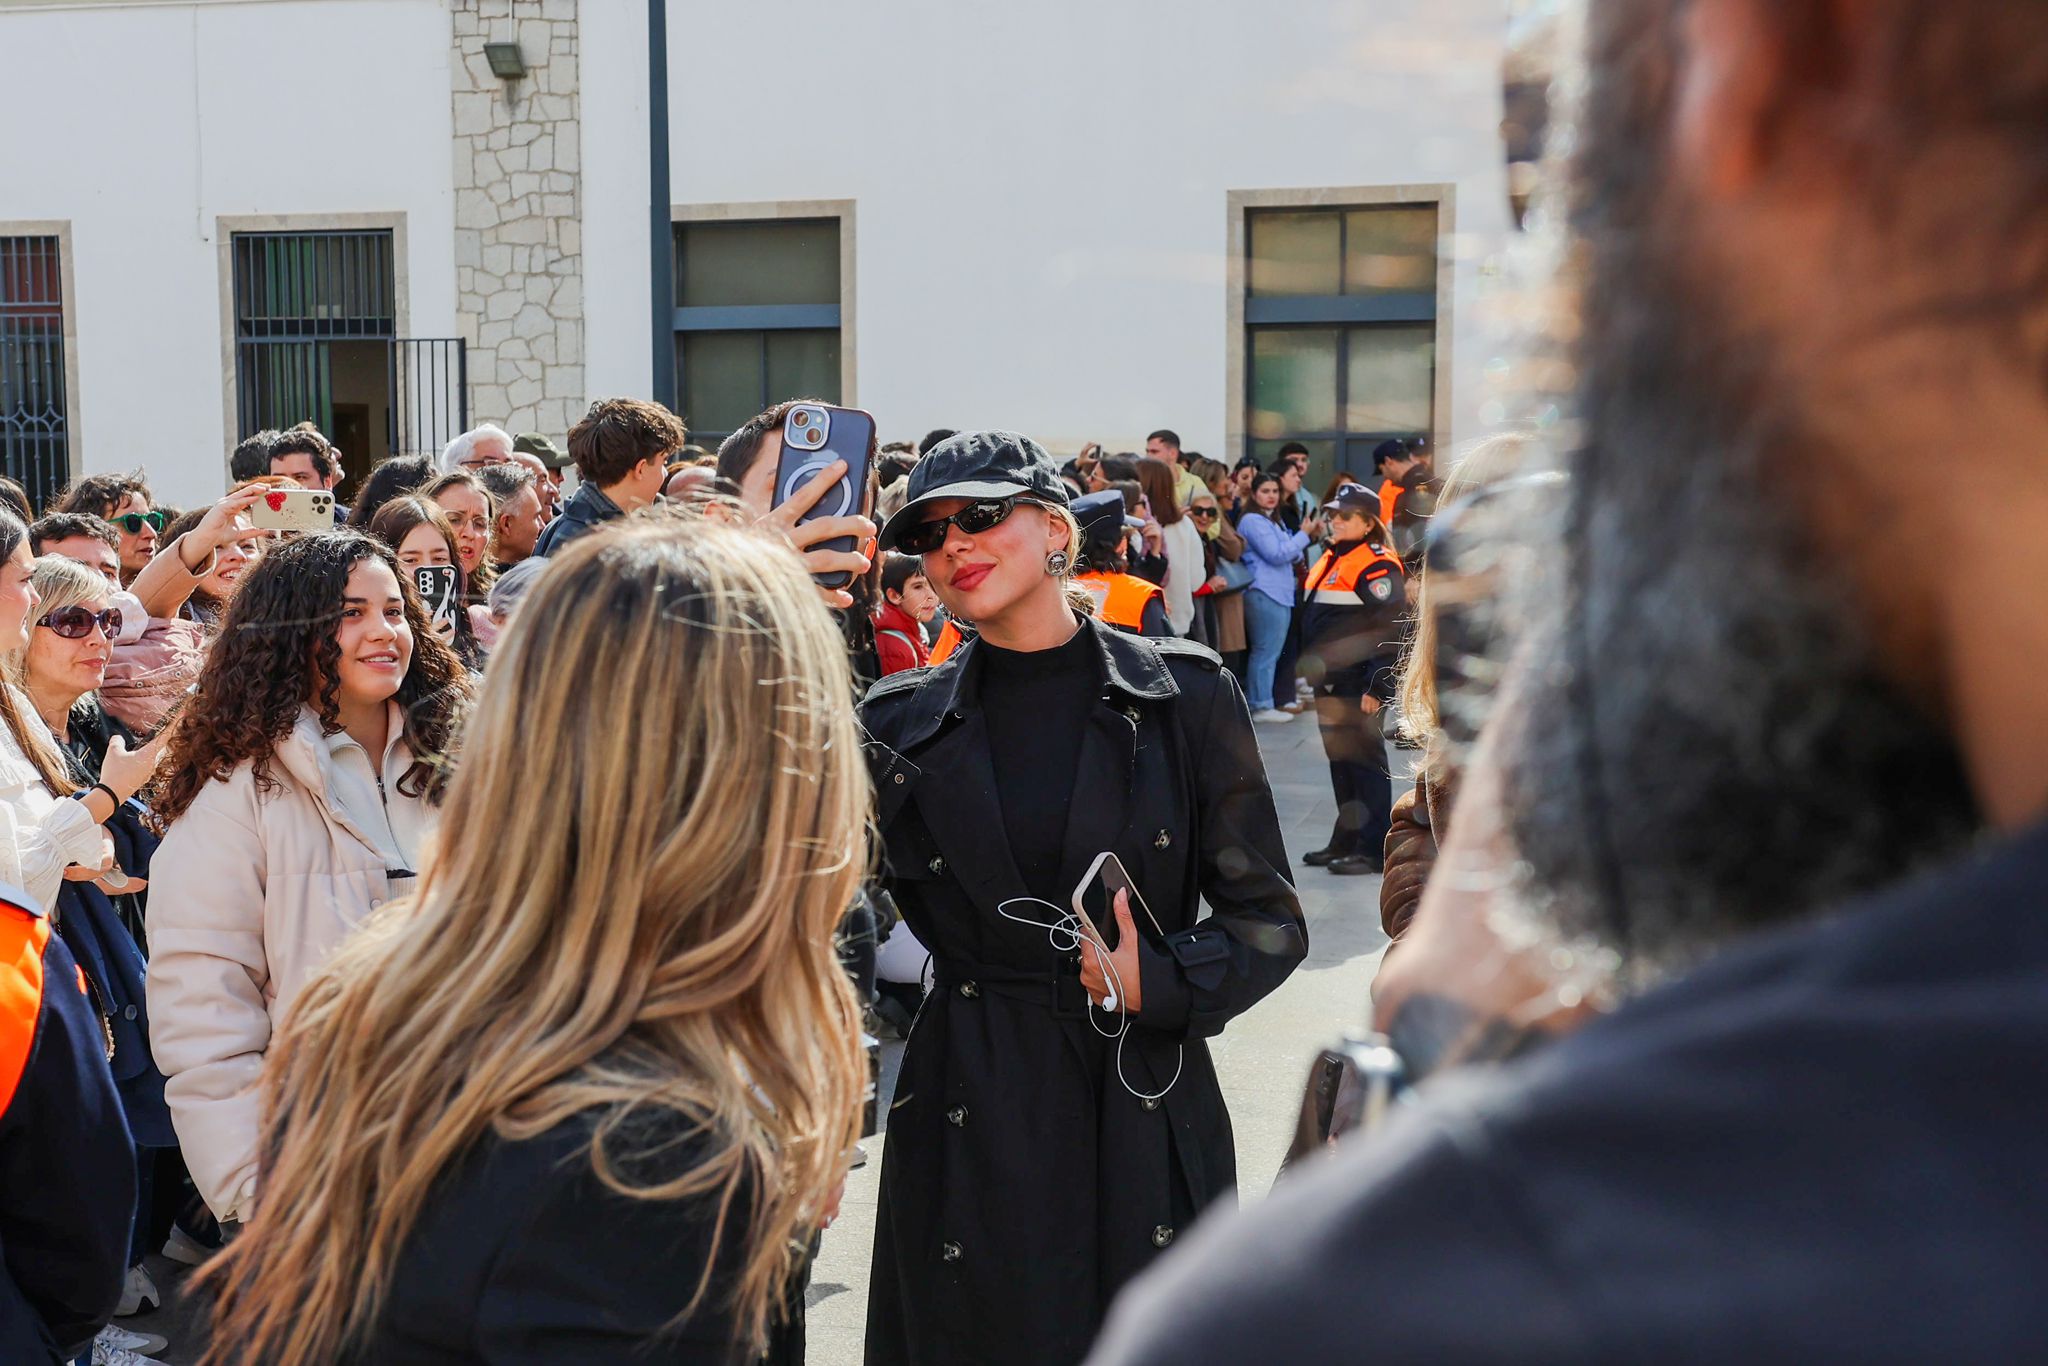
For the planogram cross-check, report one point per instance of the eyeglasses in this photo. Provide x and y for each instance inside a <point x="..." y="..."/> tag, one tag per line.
<point x="76" y="623"/>
<point x="132" y="522"/>
<point x="981" y="515"/>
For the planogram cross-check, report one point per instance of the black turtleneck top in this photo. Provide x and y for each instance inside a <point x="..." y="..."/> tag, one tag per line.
<point x="1035" y="705"/>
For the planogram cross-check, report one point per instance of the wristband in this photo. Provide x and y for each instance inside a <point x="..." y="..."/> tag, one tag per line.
<point x="102" y="787"/>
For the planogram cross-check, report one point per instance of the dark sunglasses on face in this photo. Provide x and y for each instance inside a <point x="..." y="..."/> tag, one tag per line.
<point x="1203" y="514"/>
<point x="981" y="515"/>
<point x="76" y="623"/>
<point x="132" y="522"/>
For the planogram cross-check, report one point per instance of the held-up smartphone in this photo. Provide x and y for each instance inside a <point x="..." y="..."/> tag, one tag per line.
<point x="813" y="436"/>
<point x="1095" y="900"/>
<point x="435" y="584"/>
<point x="294" y="510"/>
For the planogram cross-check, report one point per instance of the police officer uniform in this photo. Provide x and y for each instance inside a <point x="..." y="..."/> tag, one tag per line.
<point x="1033" y="1168"/>
<point x="1124" y="600"/>
<point x="1354" y="602"/>
<point x="67" y="1165"/>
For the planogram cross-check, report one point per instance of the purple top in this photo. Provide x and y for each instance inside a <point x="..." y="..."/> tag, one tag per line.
<point x="1273" y="551"/>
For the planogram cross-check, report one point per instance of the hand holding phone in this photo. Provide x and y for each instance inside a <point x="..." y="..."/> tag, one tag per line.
<point x="1108" y="905"/>
<point x="435" y="583"/>
<point x="293" y="510"/>
<point x="823" y="484"/>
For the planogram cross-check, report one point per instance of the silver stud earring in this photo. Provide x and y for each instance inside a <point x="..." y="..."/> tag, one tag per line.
<point x="1056" y="563"/>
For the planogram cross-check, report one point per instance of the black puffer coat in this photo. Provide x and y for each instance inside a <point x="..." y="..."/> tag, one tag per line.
<point x="1023" y="1183"/>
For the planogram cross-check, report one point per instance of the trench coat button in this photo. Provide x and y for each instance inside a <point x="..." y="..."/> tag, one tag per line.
<point x="899" y="778"/>
<point x="1150" y="1102"/>
<point x="957" y="1116"/>
<point x="1162" y="1235"/>
<point x="970" y="989"/>
<point x="1131" y="715"/>
<point x="937" y="865"/>
<point x="951" y="1251"/>
<point x="129" y="1013"/>
<point x="1161" y="840"/>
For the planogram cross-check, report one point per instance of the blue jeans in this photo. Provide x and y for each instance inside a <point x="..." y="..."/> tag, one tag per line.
<point x="1265" y="624"/>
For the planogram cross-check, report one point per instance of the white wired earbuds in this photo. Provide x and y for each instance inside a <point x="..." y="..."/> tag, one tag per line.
<point x="1066" y="935"/>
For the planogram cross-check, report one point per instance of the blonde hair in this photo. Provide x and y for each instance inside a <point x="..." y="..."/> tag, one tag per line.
<point x="635" y="914"/>
<point x="1486" y="463"/>
<point x="59" y="583"/>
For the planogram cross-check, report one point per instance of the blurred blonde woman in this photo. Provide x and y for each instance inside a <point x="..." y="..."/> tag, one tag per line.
<point x="587" y="1094"/>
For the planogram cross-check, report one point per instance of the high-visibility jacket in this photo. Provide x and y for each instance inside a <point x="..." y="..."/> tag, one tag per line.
<point x="1368" y="573"/>
<point x="949" y="640"/>
<point x="1120" y="599"/>
<point x="71" y="1164"/>
<point x="1390" y="499"/>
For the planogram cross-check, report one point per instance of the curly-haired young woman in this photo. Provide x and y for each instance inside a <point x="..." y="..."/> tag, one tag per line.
<point x="299" y="782"/>
<point x="587" y="1095"/>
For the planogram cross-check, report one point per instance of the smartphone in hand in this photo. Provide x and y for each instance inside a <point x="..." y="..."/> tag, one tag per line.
<point x="293" y="510"/>
<point x="813" y="436"/>
<point x="435" y="583"/>
<point x="1095" y="900"/>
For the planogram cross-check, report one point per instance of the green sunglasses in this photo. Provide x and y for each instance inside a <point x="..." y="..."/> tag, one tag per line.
<point x="132" y="522"/>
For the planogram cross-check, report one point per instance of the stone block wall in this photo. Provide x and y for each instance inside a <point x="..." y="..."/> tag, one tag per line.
<point x="518" y="214"/>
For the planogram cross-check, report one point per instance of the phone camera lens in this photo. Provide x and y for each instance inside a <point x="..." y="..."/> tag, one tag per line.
<point x="800" y="419"/>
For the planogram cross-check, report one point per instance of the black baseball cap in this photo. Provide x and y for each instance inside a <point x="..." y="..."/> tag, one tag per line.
<point x="977" y="465"/>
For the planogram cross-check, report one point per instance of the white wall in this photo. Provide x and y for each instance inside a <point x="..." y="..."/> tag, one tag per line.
<point x="169" y="116"/>
<point x="1041" y="219"/>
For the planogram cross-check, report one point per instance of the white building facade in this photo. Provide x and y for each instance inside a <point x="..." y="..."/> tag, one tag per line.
<point x="1080" y="220"/>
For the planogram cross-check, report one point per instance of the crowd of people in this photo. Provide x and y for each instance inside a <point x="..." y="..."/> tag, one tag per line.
<point x="360" y="955"/>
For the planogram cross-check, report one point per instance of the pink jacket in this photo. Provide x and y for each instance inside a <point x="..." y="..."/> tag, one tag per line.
<point x="248" y="894"/>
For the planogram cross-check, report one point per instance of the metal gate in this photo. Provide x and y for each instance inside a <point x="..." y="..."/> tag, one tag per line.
<point x="429" y="394"/>
<point x="35" y="441"/>
<point x="295" y="294"/>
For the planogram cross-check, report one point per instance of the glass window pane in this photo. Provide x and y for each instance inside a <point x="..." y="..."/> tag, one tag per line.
<point x="721" y="379"/>
<point x="1390" y="250"/>
<point x="803" y="365"/>
<point x="1294" y="381"/>
<point x="782" y="262"/>
<point x="1322" y="461"/>
<point x="1295" y="253"/>
<point x="1391" y="379"/>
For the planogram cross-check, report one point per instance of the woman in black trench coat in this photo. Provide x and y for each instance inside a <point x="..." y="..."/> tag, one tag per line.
<point x="1033" y="1167"/>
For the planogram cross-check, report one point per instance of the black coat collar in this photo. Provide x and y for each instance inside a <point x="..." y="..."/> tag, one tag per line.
<point x="1129" y="666"/>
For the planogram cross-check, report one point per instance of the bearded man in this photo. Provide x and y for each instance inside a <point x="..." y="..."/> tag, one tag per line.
<point x="1781" y="754"/>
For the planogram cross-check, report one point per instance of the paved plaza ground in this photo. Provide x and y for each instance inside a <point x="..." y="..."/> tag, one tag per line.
<point x="1262" y="1058"/>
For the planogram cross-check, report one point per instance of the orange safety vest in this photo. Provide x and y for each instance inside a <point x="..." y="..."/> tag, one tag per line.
<point x="24" y="938"/>
<point x="1390" y="499"/>
<point x="1120" y="598"/>
<point x="949" y="641"/>
<point x="1334" y="582"/>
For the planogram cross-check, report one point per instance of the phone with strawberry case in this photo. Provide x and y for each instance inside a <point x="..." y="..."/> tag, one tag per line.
<point x="293" y="510"/>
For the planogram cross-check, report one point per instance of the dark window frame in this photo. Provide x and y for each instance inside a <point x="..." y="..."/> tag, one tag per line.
<point x="755" y="318"/>
<point x="1343" y="312"/>
<point x="36" y="443"/>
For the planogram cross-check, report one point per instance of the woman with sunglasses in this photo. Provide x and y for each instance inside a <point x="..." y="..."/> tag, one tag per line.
<point x="1045" y="1144"/>
<point x="65" y="660"/>
<point x="300" y="782"/>
<point x="124" y="500"/>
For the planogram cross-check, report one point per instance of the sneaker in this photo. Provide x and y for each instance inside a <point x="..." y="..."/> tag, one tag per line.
<point x="115" y="1338"/>
<point x="1272" y="714"/>
<point x="184" y="1248"/>
<point x="1295" y="708"/>
<point x="103" y="1355"/>
<point x="138" y="1291"/>
<point x="860" y="1156"/>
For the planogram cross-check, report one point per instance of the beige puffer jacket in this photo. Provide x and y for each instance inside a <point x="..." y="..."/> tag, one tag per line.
<point x="249" y="892"/>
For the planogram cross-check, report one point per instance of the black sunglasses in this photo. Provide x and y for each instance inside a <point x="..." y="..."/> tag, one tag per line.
<point x="133" y="521"/>
<point x="1205" y="514"/>
<point x="978" y="516"/>
<point x="75" y="623"/>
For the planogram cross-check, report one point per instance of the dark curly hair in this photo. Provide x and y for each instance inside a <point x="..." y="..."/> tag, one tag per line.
<point x="278" y="652"/>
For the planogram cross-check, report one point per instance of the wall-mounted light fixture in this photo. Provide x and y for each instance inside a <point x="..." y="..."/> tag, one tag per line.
<point x="506" y="61"/>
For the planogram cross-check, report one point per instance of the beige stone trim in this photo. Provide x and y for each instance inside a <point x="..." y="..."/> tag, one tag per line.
<point x="1239" y="202"/>
<point x="60" y="228"/>
<point x="841" y="209"/>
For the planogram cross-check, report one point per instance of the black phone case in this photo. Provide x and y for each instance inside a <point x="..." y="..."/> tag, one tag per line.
<point x="850" y="436"/>
<point x="427" y="583"/>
